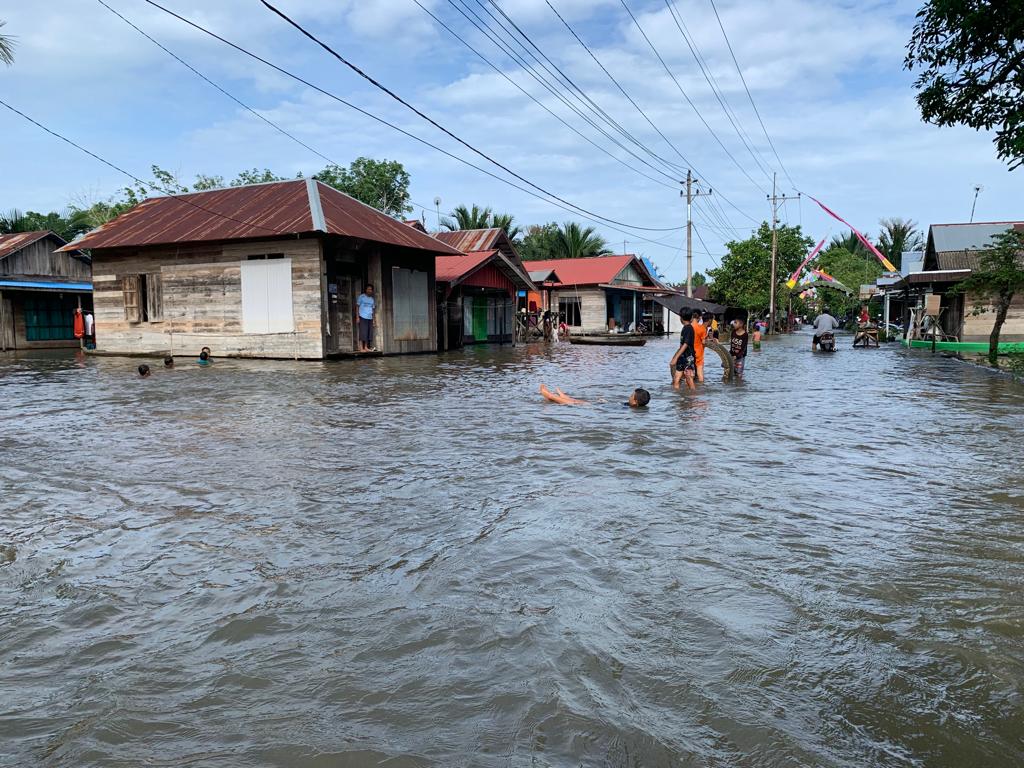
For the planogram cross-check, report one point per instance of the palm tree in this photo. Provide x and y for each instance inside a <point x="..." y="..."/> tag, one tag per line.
<point x="898" y="236"/>
<point x="573" y="242"/>
<point x="849" y="242"/>
<point x="6" y="48"/>
<point x="468" y="218"/>
<point x="13" y="221"/>
<point x="505" y="221"/>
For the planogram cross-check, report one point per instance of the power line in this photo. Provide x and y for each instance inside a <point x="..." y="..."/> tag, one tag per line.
<point x="173" y="195"/>
<point x="382" y="121"/>
<point x="686" y="96"/>
<point x="747" y="89"/>
<point x="380" y="86"/>
<point x="533" y="98"/>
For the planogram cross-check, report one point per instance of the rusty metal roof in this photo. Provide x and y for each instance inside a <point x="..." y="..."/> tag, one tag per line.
<point x="471" y="240"/>
<point x="276" y="209"/>
<point x="17" y="240"/>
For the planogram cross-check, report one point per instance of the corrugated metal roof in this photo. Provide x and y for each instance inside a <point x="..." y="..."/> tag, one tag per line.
<point x="452" y="268"/>
<point x="18" y="240"/>
<point x="944" y="276"/>
<point x="254" y="211"/>
<point x="471" y="240"/>
<point x="592" y="270"/>
<point x="962" y="237"/>
<point x="542" y="275"/>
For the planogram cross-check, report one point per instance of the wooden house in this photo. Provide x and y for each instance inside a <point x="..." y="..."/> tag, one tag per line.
<point x="597" y="293"/>
<point x="951" y="254"/>
<point x="264" y="270"/>
<point x="40" y="289"/>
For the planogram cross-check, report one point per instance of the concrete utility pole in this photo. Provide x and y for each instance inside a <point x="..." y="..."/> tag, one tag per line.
<point x="690" y="195"/>
<point x="775" y="200"/>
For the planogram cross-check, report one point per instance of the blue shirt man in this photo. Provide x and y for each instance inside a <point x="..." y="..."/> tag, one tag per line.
<point x="366" y="304"/>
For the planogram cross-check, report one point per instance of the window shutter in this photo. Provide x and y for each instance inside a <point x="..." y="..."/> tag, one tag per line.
<point x="132" y="310"/>
<point x="154" y="297"/>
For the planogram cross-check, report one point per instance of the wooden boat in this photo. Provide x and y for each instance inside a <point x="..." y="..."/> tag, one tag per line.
<point x="610" y="340"/>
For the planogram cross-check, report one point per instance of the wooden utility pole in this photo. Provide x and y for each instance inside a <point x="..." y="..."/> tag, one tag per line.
<point x="690" y="195"/>
<point x="775" y="200"/>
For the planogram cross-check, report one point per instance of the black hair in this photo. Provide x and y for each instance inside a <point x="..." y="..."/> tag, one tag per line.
<point x="368" y="285"/>
<point x="205" y="349"/>
<point x="643" y="397"/>
<point x="143" y="370"/>
<point x="204" y="355"/>
<point x="168" y="361"/>
<point x="695" y="315"/>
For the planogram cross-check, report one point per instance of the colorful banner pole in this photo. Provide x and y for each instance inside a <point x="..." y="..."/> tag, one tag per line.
<point x="864" y="241"/>
<point x="791" y="283"/>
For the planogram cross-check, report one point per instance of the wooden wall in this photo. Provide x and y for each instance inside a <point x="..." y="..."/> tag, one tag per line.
<point x="382" y="259"/>
<point x="6" y="323"/>
<point x="593" y="307"/>
<point x="978" y="327"/>
<point x="202" y="300"/>
<point x="39" y="259"/>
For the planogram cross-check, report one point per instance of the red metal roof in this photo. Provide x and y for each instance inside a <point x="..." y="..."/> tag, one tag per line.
<point x="592" y="270"/>
<point x="451" y="268"/>
<point x="18" y="240"/>
<point x="277" y="209"/>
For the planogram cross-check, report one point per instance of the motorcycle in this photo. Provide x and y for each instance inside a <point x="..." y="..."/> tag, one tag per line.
<point x="827" y="342"/>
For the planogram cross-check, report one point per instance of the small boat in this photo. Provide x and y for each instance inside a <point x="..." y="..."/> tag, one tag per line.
<point x="610" y="340"/>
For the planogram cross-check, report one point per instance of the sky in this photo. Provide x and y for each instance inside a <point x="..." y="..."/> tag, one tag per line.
<point x="826" y="77"/>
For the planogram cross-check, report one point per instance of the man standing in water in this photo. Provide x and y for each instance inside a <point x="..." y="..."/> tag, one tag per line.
<point x="684" y="361"/>
<point x="366" y="305"/>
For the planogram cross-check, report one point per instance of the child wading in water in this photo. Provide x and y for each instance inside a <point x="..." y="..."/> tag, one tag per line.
<point x="738" y="346"/>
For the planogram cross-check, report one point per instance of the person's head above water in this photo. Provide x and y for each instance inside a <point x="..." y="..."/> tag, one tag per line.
<point x="204" y="356"/>
<point x="206" y="350"/>
<point x="639" y="398"/>
<point x="168" y="362"/>
<point x="143" y="370"/>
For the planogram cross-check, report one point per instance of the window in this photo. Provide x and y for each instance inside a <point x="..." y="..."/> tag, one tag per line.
<point x="410" y="299"/>
<point x="263" y="256"/>
<point x="143" y="298"/>
<point x="569" y="311"/>
<point x="267" y="296"/>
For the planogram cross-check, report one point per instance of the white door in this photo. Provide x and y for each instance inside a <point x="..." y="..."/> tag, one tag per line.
<point x="267" y="296"/>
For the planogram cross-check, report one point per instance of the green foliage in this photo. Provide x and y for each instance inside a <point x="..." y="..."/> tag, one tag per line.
<point x="744" y="278"/>
<point x="382" y="184"/>
<point x="574" y="242"/>
<point x="250" y="176"/>
<point x="852" y="269"/>
<point x="67" y="225"/>
<point x="539" y="242"/>
<point x="999" y="276"/>
<point x="698" y="279"/>
<point x="972" y="68"/>
<point x="6" y="48"/>
<point x="506" y="221"/>
<point x="478" y="217"/>
<point x="898" y="236"/>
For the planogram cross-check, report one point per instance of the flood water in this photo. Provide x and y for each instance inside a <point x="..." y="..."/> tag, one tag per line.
<point x="416" y="562"/>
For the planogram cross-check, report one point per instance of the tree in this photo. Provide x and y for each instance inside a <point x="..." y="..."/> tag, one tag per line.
<point x="574" y="242"/>
<point x="467" y="218"/>
<point x="698" y="279"/>
<point x="849" y="242"/>
<point x="6" y="48"/>
<point x="898" y="236"/>
<point x="744" y="278"/>
<point x="506" y="221"/>
<point x="539" y="242"/>
<point x="382" y="184"/>
<point x="999" y="276"/>
<point x="250" y="176"/>
<point x="971" y="57"/>
<point x="851" y="268"/>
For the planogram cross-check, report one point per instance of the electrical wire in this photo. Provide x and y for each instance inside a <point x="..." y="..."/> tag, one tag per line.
<point x="747" y="89"/>
<point x="380" y="86"/>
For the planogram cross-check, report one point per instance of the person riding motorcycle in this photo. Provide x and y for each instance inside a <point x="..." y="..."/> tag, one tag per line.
<point x="823" y="323"/>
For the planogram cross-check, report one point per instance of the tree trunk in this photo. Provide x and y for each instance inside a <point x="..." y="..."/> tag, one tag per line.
<point x="1005" y="297"/>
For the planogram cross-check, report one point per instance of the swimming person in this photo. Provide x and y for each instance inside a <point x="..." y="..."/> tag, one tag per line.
<point x="366" y="305"/>
<point x="168" y="362"/>
<point x="738" y="346"/>
<point x="144" y="371"/>
<point x="204" y="357"/>
<point x="700" y="333"/>
<point x="684" y="361"/>
<point x="638" y="398"/>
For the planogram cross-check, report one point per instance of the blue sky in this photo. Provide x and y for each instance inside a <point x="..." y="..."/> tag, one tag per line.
<point x="826" y="77"/>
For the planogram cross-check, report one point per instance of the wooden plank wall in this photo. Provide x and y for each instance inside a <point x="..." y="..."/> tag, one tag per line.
<point x="6" y="323"/>
<point x="381" y="262"/>
<point x="203" y="301"/>
<point x="978" y="327"/>
<point x="40" y="260"/>
<point x="593" y="307"/>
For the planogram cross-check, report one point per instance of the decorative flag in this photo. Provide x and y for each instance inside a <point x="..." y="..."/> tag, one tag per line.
<point x="823" y="275"/>
<point x="864" y="241"/>
<point x="791" y="283"/>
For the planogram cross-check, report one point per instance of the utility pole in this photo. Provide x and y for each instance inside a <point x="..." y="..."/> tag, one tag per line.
<point x="977" y="189"/>
<point x="775" y="200"/>
<point x="690" y="195"/>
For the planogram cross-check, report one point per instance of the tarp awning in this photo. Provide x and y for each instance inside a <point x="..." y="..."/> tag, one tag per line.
<point x="675" y="303"/>
<point x="41" y="285"/>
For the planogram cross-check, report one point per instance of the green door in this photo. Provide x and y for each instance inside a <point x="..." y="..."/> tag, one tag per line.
<point x="480" y="318"/>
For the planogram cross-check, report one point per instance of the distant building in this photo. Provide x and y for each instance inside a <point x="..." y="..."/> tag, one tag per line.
<point x="951" y="254"/>
<point x="264" y="270"/>
<point x="40" y="289"/>
<point x="599" y="292"/>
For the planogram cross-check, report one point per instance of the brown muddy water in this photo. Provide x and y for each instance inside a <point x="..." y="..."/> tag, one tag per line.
<point x="416" y="562"/>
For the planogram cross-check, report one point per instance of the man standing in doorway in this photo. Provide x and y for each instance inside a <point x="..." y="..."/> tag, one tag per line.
<point x="366" y="305"/>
